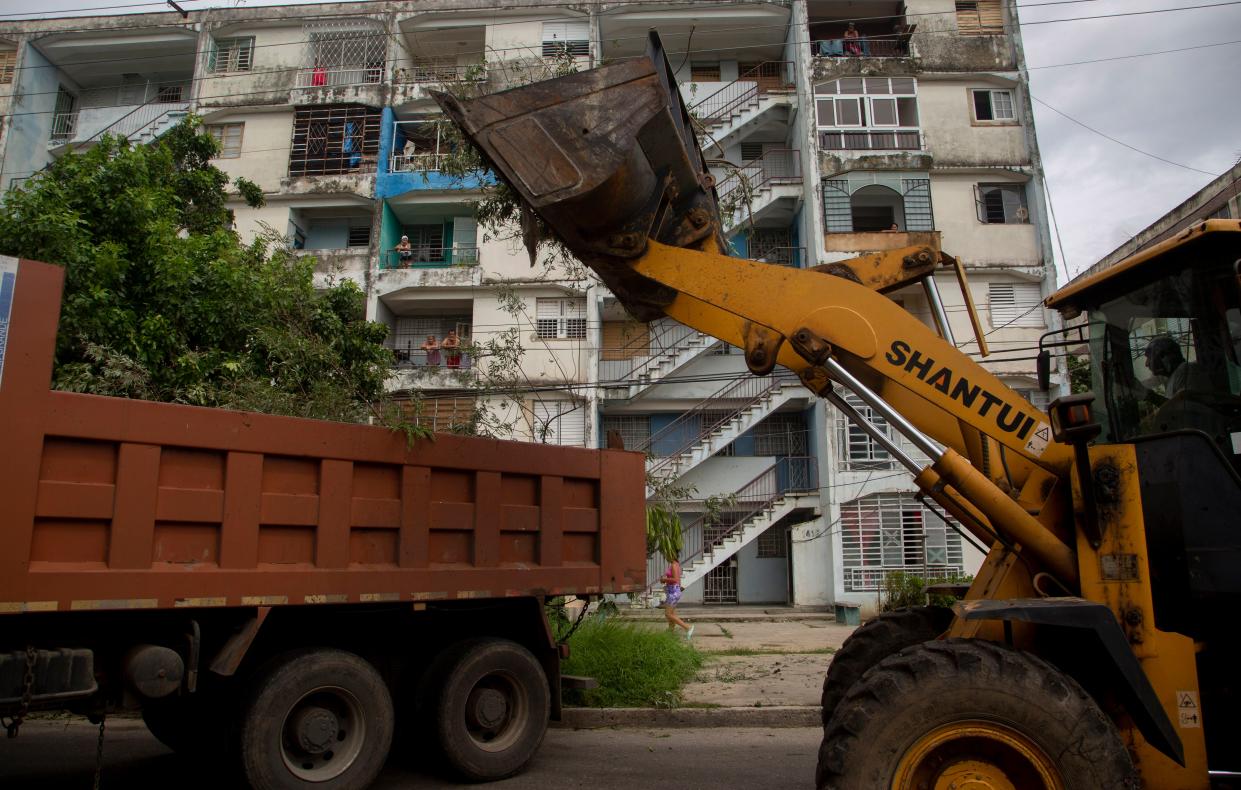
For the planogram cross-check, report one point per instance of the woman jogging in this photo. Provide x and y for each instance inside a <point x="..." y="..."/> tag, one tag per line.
<point x="672" y="595"/>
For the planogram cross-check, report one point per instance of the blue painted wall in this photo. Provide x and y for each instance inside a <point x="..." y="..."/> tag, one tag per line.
<point x="389" y="184"/>
<point x="31" y="124"/>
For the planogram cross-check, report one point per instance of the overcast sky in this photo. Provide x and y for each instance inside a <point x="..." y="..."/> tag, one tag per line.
<point x="1183" y="106"/>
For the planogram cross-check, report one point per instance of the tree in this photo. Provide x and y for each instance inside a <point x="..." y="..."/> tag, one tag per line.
<point x="164" y="302"/>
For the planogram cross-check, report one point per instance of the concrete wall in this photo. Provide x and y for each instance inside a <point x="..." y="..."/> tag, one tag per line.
<point x="30" y="126"/>
<point x="761" y="580"/>
<point x="265" y="141"/>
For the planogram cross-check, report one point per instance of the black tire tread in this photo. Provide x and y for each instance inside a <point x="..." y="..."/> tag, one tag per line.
<point x="1092" y="755"/>
<point x="875" y="640"/>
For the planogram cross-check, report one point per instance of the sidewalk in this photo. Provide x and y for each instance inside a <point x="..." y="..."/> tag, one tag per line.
<point x="765" y="668"/>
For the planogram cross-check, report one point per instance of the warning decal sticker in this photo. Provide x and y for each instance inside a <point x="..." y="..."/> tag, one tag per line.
<point x="8" y="283"/>
<point x="1187" y="712"/>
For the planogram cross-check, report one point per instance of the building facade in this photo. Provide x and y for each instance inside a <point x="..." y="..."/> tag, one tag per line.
<point x="833" y="127"/>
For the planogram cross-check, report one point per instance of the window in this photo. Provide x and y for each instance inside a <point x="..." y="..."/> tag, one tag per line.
<point x="979" y="17"/>
<point x="882" y="533"/>
<point x="560" y="422"/>
<point x="444" y="414"/>
<point x="772" y="544"/>
<point x="781" y="435"/>
<point x="228" y="135"/>
<point x="333" y="140"/>
<point x="868" y="113"/>
<point x="8" y="64"/>
<point x="359" y="236"/>
<point x="427" y="242"/>
<point x="566" y="38"/>
<point x="992" y="105"/>
<point x="857" y="450"/>
<point x="751" y="151"/>
<point x="704" y="72"/>
<point x="873" y="201"/>
<point x="1015" y="304"/>
<point x="635" y="429"/>
<point x="1001" y="204"/>
<point x="231" y="54"/>
<point x="561" y="318"/>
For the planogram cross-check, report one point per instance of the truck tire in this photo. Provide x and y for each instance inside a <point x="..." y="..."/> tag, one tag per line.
<point x="966" y="712"/>
<point x="492" y="710"/>
<point x="878" y="638"/>
<point x="318" y="718"/>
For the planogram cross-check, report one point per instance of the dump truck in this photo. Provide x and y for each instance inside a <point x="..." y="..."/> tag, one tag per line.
<point x="302" y="595"/>
<point x="1097" y="646"/>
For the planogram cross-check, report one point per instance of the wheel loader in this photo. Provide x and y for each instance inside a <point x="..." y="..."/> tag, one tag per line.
<point x="1097" y="645"/>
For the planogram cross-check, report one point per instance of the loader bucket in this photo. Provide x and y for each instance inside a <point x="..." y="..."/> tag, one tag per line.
<point x="608" y="159"/>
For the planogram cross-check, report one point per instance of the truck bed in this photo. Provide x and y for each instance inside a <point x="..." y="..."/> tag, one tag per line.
<point x="112" y="503"/>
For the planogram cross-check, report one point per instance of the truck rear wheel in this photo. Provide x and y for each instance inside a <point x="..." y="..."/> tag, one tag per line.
<point x="878" y="638"/>
<point x="492" y="710"/>
<point x="316" y="718"/>
<point x="966" y="712"/>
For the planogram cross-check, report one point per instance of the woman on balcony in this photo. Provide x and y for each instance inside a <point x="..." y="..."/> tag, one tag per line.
<point x="853" y="41"/>
<point x="404" y="253"/>
<point x="431" y="348"/>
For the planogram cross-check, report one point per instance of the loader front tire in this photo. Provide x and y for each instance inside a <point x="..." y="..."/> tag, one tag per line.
<point x="965" y="712"/>
<point x="875" y="640"/>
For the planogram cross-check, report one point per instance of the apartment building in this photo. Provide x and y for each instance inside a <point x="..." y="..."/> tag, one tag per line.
<point x="835" y="127"/>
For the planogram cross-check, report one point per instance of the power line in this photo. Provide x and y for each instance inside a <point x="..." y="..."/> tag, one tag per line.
<point x="1135" y="55"/>
<point x="1121" y="142"/>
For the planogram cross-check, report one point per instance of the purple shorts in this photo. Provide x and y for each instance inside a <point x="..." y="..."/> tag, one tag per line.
<point x="672" y="594"/>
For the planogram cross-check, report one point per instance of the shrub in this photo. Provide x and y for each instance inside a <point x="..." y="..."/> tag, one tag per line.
<point x="902" y="590"/>
<point x="636" y="666"/>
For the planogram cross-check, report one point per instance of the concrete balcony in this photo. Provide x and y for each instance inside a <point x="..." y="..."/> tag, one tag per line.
<point x="343" y="264"/>
<point x="859" y="242"/>
<point x="386" y="281"/>
<point x="414" y="371"/>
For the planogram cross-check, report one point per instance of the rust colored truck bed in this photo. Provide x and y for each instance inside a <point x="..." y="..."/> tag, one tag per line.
<point x="115" y="504"/>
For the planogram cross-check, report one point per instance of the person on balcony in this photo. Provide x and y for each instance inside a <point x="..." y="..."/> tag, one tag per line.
<point x="452" y="349"/>
<point x="431" y="348"/>
<point x="404" y="251"/>
<point x="853" y="41"/>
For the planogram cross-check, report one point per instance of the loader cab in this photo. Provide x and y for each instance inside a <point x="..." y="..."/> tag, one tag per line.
<point x="1164" y="335"/>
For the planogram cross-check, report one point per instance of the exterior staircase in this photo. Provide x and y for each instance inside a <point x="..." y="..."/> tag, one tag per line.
<point x="141" y="125"/>
<point x="789" y="486"/>
<point x="751" y="190"/>
<point x="673" y="346"/>
<point x="714" y="423"/>
<point x="730" y="113"/>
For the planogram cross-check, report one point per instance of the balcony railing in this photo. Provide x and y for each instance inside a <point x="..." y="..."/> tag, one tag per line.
<point x="443" y="359"/>
<point x="434" y="70"/>
<point x="319" y="77"/>
<point x="430" y="257"/>
<point x="766" y="77"/>
<point x="777" y="166"/>
<point x="417" y="163"/>
<point x="64" y="126"/>
<point x="871" y="140"/>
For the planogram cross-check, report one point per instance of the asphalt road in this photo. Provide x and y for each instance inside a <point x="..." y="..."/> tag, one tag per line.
<point x="56" y="756"/>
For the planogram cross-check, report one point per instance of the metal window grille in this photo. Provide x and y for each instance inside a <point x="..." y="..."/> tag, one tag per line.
<point x="566" y="38"/>
<point x="720" y="583"/>
<point x="8" y="65"/>
<point x="705" y="72"/>
<point x="857" y="450"/>
<point x="229" y="136"/>
<point x="882" y="533"/>
<point x="561" y="318"/>
<point x="344" y="52"/>
<point x="837" y="210"/>
<point x="1001" y="204"/>
<point x="917" y="196"/>
<point x="635" y="429"/>
<point x="1015" y="304"/>
<point x="773" y="544"/>
<point x="781" y="434"/>
<point x="230" y="54"/>
<point x="359" y="236"/>
<point x="334" y="140"/>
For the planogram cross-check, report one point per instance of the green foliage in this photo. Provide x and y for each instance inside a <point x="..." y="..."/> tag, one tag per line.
<point x="163" y="301"/>
<point x="663" y="532"/>
<point x="1079" y="374"/>
<point x="902" y="590"/>
<point x="636" y="666"/>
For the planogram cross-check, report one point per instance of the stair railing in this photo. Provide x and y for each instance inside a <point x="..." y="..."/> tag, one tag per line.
<point x="668" y="336"/>
<point x="775" y="166"/>
<point x="768" y="76"/>
<point x="137" y="120"/>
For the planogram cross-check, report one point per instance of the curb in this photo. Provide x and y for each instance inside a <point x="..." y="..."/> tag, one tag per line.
<point x="665" y="718"/>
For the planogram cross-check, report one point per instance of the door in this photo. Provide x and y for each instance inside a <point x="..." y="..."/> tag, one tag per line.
<point x="720" y="584"/>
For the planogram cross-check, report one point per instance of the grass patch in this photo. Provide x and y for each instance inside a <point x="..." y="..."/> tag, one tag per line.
<point x="636" y="667"/>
